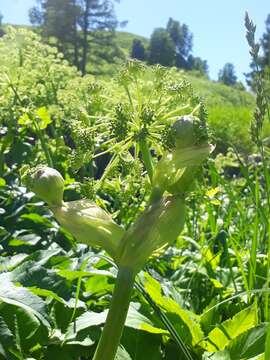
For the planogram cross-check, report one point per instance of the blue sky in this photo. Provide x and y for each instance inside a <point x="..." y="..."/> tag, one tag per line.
<point x="218" y="26"/>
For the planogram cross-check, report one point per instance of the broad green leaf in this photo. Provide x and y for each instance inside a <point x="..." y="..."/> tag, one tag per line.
<point x="122" y="354"/>
<point x="249" y="344"/>
<point x="138" y="321"/>
<point x="46" y="293"/>
<point x="23" y="298"/>
<point x="267" y="343"/>
<point x="6" y="337"/>
<point x="186" y="322"/>
<point x="33" y="274"/>
<point x="37" y="219"/>
<point x="25" y="328"/>
<point x="98" y="285"/>
<point x="10" y="262"/>
<point x="24" y="120"/>
<point x="2" y="182"/>
<point x="260" y="357"/>
<point x="76" y="274"/>
<point x="141" y="344"/>
<point x="44" y="117"/>
<point x="221" y="355"/>
<point x="46" y="257"/>
<point x="212" y="259"/>
<point x="210" y="318"/>
<point x="26" y="324"/>
<point x="26" y="240"/>
<point x="220" y="336"/>
<point x="57" y="352"/>
<point x="17" y="242"/>
<point x="85" y="321"/>
<point x="134" y="320"/>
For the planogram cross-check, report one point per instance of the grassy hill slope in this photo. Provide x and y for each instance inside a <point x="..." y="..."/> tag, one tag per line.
<point x="125" y="40"/>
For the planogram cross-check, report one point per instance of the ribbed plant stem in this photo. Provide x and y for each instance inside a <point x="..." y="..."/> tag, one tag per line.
<point x="147" y="158"/>
<point x="112" y="331"/>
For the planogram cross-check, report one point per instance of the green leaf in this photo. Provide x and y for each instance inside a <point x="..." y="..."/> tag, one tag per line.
<point x="267" y="343"/>
<point x="184" y="321"/>
<point x="2" y="182"/>
<point x="33" y="274"/>
<point x="141" y="344"/>
<point x="221" y="355"/>
<point x="46" y="293"/>
<point x="26" y="321"/>
<point x="24" y="120"/>
<point x="6" y="337"/>
<point x="76" y="274"/>
<point x="37" y="219"/>
<point x="17" y="242"/>
<point x="57" y="352"/>
<point x="23" y="299"/>
<point x="249" y="344"/>
<point x="138" y="321"/>
<point x="44" y="117"/>
<point x="85" y="321"/>
<point x="25" y="240"/>
<point x="122" y="354"/>
<point x="98" y="285"/>
<point x="221" y="335"/>
<point x="134" y="320"/>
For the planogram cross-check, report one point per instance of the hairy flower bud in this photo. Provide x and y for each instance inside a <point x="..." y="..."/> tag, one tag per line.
<point x="188" y="144"/>
<point x="90" y="225"/>
<point x="86" y="221"/>
<point x="45" y="182"/>
<point x="189" y="131"/>
<point x="158" y="226"/>
<point x="179" y="167"/>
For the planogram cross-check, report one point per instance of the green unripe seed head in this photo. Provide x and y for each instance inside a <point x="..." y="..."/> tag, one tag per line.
<point x="45" y="182"/>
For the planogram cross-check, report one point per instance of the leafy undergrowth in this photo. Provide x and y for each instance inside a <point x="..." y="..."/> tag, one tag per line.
<point x="195" y="301"/>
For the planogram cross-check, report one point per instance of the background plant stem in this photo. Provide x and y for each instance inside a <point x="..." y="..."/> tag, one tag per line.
<point x="147" y="158"/>
<point x="112" y="331"/>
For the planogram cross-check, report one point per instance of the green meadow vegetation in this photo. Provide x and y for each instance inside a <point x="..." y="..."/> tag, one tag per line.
<point x="143" y="193"/>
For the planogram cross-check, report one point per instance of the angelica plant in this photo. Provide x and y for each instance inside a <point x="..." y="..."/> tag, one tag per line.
<point x="162" y="127"/>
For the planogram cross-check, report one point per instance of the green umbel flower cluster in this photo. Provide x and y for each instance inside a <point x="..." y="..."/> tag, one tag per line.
<point x="161" y="222"/>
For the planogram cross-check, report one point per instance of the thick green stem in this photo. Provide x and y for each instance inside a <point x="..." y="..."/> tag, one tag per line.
<point x="43" y="142"/>
<point x="147" y="158"/>
<point x="111" y="334"/>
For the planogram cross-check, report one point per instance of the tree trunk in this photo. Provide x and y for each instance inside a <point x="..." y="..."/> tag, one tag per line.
<point x="75" y="43"/>
<point x="75" y="35"/>
<point x="85" y="36"/>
